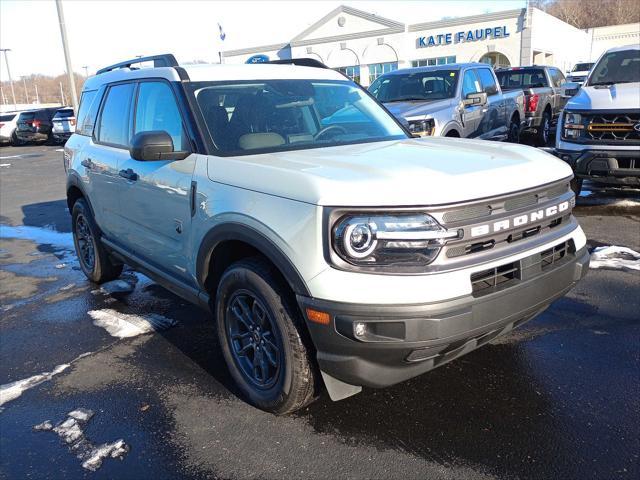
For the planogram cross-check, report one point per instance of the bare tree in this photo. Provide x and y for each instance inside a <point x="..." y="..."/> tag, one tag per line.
<point x="591" y="13"/>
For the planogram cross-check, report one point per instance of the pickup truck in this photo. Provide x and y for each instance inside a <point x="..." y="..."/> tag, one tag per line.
<point x="579" y="72"/>
<point x="454" y="100"/>
<point x="543" y="101"/>
<point x="599" y="130"/>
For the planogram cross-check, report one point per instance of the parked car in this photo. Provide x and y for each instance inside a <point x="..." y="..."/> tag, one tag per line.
<point x="36" y="125"/>
<point x="579" y="72"/>
<point x="543" y="101"/>
<point x="344" y="253"/>
<point x="64" y="123"/>
<point x="454" y="100"/>
<point x="599" y="130"/>
<point x="8" y="123"/>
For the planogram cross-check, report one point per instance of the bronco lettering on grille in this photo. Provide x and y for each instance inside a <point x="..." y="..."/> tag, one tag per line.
<point x="520" y="220"/>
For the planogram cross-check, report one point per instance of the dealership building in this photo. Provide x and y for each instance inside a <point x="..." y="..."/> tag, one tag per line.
<point x="364" y="45"/>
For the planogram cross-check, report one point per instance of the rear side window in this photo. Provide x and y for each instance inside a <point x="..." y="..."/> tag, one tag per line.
<point x="487" y="81"/>
<point x="7" y="118"/>
<point x="113" y="125"/>
<point x="157" y="110"/>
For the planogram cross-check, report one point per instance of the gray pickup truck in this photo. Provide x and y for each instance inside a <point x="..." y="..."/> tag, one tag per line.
<point x="454" y="100"/>
<point x="543" y="101"/>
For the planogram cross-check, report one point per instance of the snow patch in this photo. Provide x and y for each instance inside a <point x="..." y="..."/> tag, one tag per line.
<point x="41" y="236"/>
<point x="71" y="431"/>
<point x="13" y="390"/>
<point x="5" y="164"/>
<point x="614" y="257"/>
<point x="123" y="325"/>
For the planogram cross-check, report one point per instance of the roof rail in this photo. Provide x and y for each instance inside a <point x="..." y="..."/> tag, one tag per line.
<point x="301" y="62"/>
<point x="164" y="60"/>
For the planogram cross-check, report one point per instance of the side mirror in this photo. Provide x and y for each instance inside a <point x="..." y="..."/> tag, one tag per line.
<point x="475" y="99"/>
<point x="154" y="145"/>
<point x="569" y="89"/>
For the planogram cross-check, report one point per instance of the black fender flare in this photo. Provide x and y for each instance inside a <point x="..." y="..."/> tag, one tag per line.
<point x="73" y="180"/>
<point x="243" y="233"/>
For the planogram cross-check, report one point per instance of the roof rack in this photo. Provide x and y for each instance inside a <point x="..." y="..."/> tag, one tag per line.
<point x="301" y="62"/>
<point x="164" y="60"/>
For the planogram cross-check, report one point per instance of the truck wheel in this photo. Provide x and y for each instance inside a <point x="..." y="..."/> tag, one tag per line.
<point x="261" y="335"/>
<point x="576" y="185"/>
<point x="93" y="258"/>
<point x="544" y="130"/>
<point x="513" y="136"/>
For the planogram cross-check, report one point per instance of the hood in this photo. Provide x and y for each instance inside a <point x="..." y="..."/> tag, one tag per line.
<point x="420" y="172"/>
<point x="621" y="96"/>
<point x="418" y="108"/>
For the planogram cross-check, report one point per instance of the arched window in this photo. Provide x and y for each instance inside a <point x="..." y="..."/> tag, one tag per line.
<point x="495" y="59"/>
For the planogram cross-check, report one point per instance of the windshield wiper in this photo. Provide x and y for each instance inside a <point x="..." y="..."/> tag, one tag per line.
<point x="407" y="99"/>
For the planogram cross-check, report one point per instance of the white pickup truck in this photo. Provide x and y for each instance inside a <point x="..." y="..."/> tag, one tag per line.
<point x="599" y="130"/>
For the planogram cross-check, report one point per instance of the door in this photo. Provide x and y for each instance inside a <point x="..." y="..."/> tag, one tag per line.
<point x="558" y="101"/>
<point x="103" y="154"/>
<point x="494" y="122"/>
<point x="471" y="114"/>
<point x="156" y="196"/>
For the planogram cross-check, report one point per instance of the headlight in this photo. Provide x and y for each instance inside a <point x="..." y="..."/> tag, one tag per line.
<point x="378" y="240"/>
<point x="572" y="125"/>
<point x="422" y="127"/>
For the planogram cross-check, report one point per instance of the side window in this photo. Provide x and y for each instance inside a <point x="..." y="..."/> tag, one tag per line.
<point x="487" y="81"/>
<point x="156" y="109"/>
<point x="470" y="83"/>
<point x="556" y="77"/>
<point x="113" y="126"/>
<point x="85" y="104"/>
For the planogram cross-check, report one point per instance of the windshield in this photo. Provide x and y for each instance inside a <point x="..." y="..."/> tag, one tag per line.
<point x="416" y="86"/>
<point x="617" y="67"/>
<point x="582" y="67"/>
<point x="277" y="115"/>
<point x="517" y="79"/>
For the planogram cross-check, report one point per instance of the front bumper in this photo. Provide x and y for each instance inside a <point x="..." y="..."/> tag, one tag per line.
<point x="399" y="342"/>
<point x="613" y="167"/>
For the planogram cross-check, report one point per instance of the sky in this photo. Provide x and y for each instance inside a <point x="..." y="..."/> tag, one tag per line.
<point x="106" y="32"/>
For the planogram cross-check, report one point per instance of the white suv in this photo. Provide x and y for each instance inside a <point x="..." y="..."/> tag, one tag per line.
<point x="330" y="245"/>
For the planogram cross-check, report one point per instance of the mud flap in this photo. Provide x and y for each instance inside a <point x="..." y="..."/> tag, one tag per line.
<point x="339" y="390"/>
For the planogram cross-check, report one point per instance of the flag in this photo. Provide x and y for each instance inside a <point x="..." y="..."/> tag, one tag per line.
<point x="222" y="34"/>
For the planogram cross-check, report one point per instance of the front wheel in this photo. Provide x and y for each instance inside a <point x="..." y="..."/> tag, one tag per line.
<point x="94" y="260"/>
<point x="262" y="338"/>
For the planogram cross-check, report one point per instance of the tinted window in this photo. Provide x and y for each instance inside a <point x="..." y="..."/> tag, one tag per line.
<point x="557" y="78"/>
<point x="470" y="84"/>
<point x="582" y="67"/>
<point x="487" y="81"/>
<point x="64" y="113"/>
<point x="113" y="125"/>
<point x="416" y="86"/>
<point x="157" y="110"/>
<point x="26" y="117"/>
<point x="522" y="78"/>
<point x="85" y="104"/>
<point x="7" y="118"/>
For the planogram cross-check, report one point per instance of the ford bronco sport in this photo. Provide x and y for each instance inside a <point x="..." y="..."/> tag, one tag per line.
<point x="336" y="252"/>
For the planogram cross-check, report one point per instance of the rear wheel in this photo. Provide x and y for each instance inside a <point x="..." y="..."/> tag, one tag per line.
<point x="94" y="260"/>
<point x="262" y="338"/>
<point x="544" y="130"/>
<point x="513" y="135"/>
<point x="15" y="141"/>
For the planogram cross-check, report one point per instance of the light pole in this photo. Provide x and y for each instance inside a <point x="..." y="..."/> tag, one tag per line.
<point x="26" y="93"/>
<point x="6" y="60"/>
<point x="86" y="71"/>
<point x="67" y="56"/>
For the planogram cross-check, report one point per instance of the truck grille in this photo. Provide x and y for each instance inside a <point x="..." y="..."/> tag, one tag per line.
<point x="613" y="128"/>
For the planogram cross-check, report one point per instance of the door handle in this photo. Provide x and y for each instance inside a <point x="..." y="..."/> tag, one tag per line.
<point x="87" y="163"/>
<point x="128" y="174"/>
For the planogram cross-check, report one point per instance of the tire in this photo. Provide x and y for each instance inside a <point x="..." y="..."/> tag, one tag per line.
<point x="544" y="130"/>
<point x="262" y="337"/>
<point x="576" y="185"/>
<point x="94" y="260"/>
<point x="15" y="141"/>
<point x="513" y="135"/>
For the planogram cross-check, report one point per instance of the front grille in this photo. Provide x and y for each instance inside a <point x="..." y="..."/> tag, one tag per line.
<point x="550" y="257"/>
<point x="630" y="163"/>
<point x="613" y="127"/>
<point x="495" y="277"/>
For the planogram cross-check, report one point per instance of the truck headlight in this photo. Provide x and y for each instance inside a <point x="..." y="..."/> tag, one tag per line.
<point x="422" y="128"/>
<point x="572" y="125"/>
<point x="378" y="240"/>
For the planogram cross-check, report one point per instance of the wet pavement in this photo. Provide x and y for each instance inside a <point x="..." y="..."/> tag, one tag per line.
<point x="558" y="398"/>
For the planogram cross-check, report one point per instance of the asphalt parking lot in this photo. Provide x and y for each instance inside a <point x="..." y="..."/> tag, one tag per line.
<point x="558" y="398"/>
